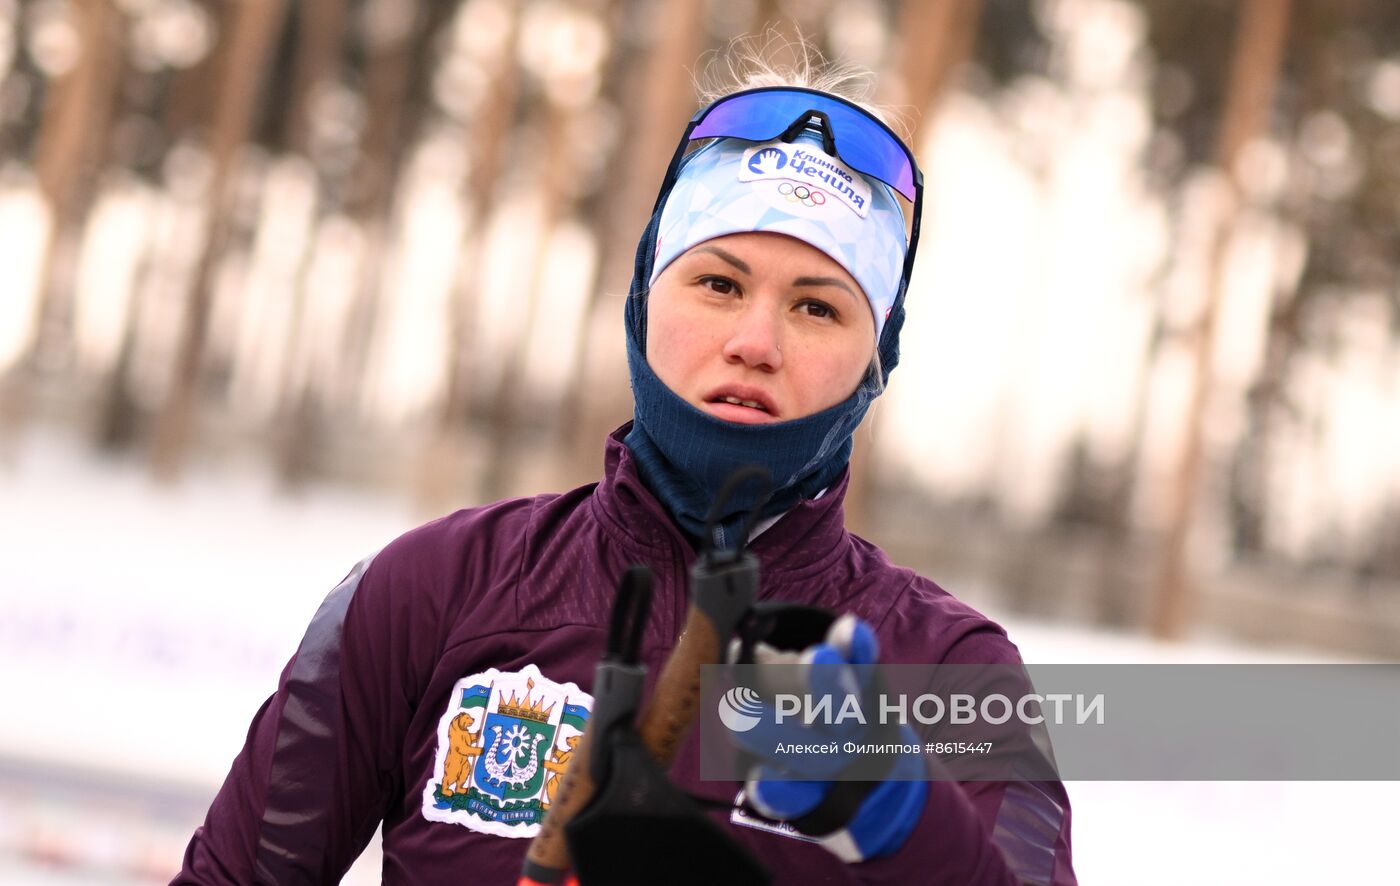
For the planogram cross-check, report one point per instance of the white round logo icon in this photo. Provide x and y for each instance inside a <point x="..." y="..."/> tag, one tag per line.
<point x="740" y="709"/>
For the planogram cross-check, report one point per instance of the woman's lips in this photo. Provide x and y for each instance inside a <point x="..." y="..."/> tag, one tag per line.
<point x="743" y="396"/>
<point x="746" y="415"/>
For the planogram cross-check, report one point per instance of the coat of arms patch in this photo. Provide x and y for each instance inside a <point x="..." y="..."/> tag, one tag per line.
<point x="503" y="745"/>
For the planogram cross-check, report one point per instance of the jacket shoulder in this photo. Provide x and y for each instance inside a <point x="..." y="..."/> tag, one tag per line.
<point x="457" y="559"/>
<point x="919" y="621"/>
<point x="965" y="634"/>
<point x="448" y="541"/>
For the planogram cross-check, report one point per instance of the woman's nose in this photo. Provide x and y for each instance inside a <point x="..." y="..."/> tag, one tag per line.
<point x="756" y="339"/>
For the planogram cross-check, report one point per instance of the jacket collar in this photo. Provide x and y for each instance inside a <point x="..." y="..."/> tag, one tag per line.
<point x="805" y="539"/>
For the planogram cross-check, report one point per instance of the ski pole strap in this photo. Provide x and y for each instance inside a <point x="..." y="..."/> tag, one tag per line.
<point x="718" y="508"/>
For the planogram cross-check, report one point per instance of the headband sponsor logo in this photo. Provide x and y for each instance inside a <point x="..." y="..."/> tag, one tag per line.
<point x="811" y="171"/>
<point x="766" y="161"/>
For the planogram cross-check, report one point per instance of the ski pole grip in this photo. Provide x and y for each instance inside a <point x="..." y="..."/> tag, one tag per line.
<point x="722" y="588"/>
<point x="617" y="688"/>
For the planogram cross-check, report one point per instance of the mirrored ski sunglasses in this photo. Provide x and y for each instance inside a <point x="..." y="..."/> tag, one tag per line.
<point x="848" y="131"/>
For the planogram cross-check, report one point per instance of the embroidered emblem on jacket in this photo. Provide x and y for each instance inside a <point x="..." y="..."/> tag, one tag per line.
<point x="504" y="744"/>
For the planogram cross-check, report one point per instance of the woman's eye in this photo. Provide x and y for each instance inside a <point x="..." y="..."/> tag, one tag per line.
<point x="818" y="309"/>
<point x="721" y="285"/>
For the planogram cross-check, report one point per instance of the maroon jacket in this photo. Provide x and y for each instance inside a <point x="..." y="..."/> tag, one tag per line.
<point x="488" y="623"/>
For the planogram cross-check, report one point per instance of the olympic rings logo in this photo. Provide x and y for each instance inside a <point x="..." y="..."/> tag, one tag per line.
<point x="802" y="194"/>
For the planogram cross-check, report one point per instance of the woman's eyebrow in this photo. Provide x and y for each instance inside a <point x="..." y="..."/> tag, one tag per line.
<point x="825" y="281"/>
<point x="727" y="256"/>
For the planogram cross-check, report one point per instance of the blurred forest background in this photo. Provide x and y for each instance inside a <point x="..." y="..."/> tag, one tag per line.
<point x="1152" y="362"/>
<point x="281" y="277"/>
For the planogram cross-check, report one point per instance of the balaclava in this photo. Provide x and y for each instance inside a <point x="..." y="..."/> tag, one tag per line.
<point x="683" y="454"/>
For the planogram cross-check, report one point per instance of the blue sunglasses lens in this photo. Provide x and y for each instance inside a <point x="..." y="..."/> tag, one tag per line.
<point x="861" y="140"/>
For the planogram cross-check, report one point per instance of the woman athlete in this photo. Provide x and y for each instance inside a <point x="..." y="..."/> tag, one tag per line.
<point x="442" y="687"/>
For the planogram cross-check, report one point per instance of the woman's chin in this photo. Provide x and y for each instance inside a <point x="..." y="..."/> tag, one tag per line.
<point x="741" y="415"/>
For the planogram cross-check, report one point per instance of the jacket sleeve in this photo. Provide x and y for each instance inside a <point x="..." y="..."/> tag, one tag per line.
<point x="320" y="765"/>
<point x="984" y="832"/>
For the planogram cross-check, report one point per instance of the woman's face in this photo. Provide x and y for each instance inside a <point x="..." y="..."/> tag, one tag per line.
<point x="762" y="318"/>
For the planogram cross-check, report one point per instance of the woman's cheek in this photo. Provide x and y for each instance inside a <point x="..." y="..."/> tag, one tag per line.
<point x="679" y="345"/>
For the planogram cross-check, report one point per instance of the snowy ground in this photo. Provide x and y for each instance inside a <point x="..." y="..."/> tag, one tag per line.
<point x="140" y="628"/>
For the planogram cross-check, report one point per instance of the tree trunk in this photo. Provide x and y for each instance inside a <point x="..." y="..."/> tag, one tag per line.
<point x="320" y="42"/>
<point x="622" y="87"/>
<point x="937" y="37"/>
<point x="444" y="474"/>
<point x="73" y="133"/>
<point x="176" y="105"/>
<point x="319" y="28"/>
<point x="1321" y="81"/>
<point x="599" y="399"/>
<point x="194" y="91"/>
<point x="492" y="133"/>
<point x="255" y="28"/>
<point x="510" y="396"/>
<point x="1258" y="54"/>
<point x="395" y="70"/>
<point x="1118" y="580"/>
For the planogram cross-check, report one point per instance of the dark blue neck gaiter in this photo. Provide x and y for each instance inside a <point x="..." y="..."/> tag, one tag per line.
<point x="684" y="455"/>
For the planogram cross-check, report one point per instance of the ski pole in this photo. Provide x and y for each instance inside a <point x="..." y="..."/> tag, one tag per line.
<point x="724" y="585"/>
